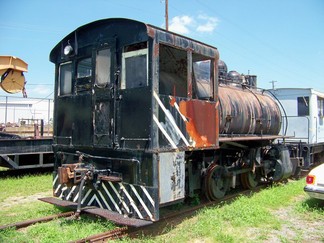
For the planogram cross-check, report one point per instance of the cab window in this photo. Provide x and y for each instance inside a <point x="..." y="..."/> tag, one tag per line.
<point x="103" y="65"/>
<point x="134" y="67"/>
<point x="302" y="106"/>
<point x="84" y="68"/>
<point x="320" y="106"/>
<point x="173" y="63"/>
<point x="65" y="82"/>
<point x="202" y="79"/>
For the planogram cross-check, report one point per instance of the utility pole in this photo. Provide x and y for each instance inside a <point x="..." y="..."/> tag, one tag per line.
<point x="273" y="82"/>
<point x="166" y="15"/>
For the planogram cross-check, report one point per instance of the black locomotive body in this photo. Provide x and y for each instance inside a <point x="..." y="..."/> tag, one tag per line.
<point x="141" y="121"/>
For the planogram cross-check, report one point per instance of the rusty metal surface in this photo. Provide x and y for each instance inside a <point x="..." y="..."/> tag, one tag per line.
<point x="246" y="111"/>
<point x="110" y="178"/>
<point x="181" y="41"/>
<point x="112" y="216"/>
<point x="117" y="218"/>
<point x="58" y="202"/>
<point x="26" y="223"/>
<point x="105" y="236"/>
<point x="202" y="124"/>
<point x="248" y="138"/>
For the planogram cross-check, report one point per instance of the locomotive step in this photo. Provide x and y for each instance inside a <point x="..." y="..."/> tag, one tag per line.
<point x="109" y="215"/>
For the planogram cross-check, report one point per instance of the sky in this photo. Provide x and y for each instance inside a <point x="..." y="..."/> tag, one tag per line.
<point x="280" y="41"/>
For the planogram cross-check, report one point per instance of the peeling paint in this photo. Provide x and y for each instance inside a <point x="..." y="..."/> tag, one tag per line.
<point x="202" y="122"/>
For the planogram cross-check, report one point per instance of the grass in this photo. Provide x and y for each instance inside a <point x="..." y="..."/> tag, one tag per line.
<point x="252" y="218"/>
<point x="3" y="168"/>
<point x="18" y="201"/>
<point x="63" y="230"/>
<point x="25" y="185"/>
<point x="283" y="213"/>
<point x="312" y="207"/>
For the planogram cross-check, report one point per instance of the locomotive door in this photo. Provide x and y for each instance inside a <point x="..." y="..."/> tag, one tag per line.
<point x="104" y="95"/>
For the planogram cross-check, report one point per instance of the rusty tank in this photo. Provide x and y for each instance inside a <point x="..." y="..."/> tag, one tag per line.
<point x="246" y="110"/>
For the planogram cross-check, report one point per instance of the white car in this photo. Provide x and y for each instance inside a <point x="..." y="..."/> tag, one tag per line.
<point x="315" y="182"/>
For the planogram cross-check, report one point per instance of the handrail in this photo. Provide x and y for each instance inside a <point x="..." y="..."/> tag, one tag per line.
<point x="308" y="126"/>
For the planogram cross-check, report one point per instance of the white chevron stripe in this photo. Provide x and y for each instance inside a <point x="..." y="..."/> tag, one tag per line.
<point x="178" y="109"/>
<point x="70" y="193"/>
<point x="119" y="197"/>
<point x="63" y="189"/>
<point x="94" y="197"/>
<point x="148" y="196"/>
<point x="164" y="132"/>
<point x="131" y="201"/>
<point x="171" y="119"/>
<point x="86" y="195"/>
<point x="112" y="199"/>
<point x="58" y="188"/>
<point x="104" y="200"/>
<point x="55" y="179"/>
<point x="142" y="203"/>
<point x="77" y="195"/>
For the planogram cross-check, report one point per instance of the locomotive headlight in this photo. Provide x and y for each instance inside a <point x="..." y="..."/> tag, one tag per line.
<point x="68" y="50"/>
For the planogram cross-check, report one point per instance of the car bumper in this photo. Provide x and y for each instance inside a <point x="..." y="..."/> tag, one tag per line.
<point x="314" y="192"/>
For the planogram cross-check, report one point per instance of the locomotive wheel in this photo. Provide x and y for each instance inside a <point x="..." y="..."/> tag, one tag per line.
<point x="216" y="183"/>
<point x="249" y="179"/>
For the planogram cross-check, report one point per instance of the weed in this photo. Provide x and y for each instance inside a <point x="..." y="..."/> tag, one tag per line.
<point x="245" y="219"/>
<point x="311" y="208"/>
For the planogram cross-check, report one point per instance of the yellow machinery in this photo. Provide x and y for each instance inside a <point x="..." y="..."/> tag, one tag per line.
<point x="12" y="76"/>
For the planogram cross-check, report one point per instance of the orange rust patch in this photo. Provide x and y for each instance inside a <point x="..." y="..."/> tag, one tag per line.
<point x="150" y="31"/>
<point x="172" y="101"/>
<point x="156" y="50"/>
<point x="202" y="125"/>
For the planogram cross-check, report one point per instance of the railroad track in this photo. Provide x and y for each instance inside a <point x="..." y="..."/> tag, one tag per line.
<point x="108" y="235"/>
<point x="168" y="219"/>
<point x="105" y="236"/>
<point x="24" y="224"/>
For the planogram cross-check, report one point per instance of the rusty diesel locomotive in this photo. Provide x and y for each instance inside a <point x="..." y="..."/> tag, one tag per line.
<point x="146" y="118"/>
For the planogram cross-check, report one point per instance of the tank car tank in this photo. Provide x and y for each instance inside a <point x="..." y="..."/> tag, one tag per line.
<point x="247" y="111"/>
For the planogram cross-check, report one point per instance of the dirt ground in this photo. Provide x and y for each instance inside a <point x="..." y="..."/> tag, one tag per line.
<point x="295" y="228"/>
<point x="12" y="201"/>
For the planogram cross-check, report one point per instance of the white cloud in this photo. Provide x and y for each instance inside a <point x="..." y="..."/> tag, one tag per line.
<point x="209" y="24"/>
<point x="181" y="24"/>
<point x="187" y="24"/>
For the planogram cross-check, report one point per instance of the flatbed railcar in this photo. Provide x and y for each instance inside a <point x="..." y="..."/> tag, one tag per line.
<point x="142" y="121"/>
<point x="17" y="153"/>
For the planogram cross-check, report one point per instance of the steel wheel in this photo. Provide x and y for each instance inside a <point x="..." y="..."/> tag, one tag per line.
<point x="216" y="183"/>
<point x="250" y="179"/>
